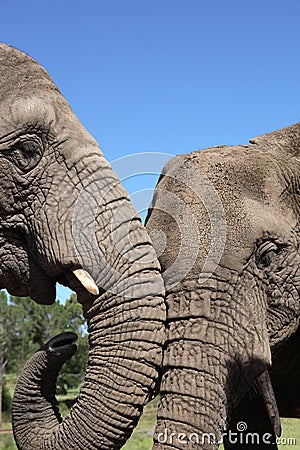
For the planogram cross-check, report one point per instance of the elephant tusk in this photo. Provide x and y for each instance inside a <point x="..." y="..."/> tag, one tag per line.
<point x="270" y="401"/>
<point x="87" y="281"/>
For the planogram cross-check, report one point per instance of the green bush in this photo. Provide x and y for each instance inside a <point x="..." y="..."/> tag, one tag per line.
<point x="6" y="401"/>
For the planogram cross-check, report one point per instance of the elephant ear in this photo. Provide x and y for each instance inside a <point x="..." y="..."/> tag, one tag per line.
<point x="285" y="140"/>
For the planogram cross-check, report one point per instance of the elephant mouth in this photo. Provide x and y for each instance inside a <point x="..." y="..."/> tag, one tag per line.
<point x="41" y="287"/>
<point x="78" y="280"/>
<point x="22" y="274"/>
<point x="284" y="373"/>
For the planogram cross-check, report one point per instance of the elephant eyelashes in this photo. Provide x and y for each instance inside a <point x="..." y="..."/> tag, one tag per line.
<point x="265" y="254"/>
<point x="26" y="154"/>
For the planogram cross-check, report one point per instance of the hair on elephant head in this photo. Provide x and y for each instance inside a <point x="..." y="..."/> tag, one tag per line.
<point x="64" y="217"/>
<point x="230" y="221"/>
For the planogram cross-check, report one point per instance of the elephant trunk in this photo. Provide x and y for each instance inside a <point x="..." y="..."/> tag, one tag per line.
<point x="126" y="334"/>
<point x="191" y="411"/>
<point x="38" y="381"/>
<point x="206" y="362"/>
<point x="124" y="355"/>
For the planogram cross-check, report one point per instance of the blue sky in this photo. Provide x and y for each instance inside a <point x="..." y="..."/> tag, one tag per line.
<point x="166" y="76"/>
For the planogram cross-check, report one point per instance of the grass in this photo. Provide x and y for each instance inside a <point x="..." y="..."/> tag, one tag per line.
<point x="141" y="439"/>
<point x="6" y="440"/>
<point x="291" y="429"/>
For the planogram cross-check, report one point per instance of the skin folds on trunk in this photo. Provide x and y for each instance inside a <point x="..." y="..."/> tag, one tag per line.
<point x="120" y="370"/>
<point x="126" y="334"/>
<point x="125" y="346"/>
<point x="203" y="364"/>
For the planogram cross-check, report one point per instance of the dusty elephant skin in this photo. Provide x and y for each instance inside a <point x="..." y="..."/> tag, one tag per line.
<point x="65" y="217"/>
<point x="225" y="224"/>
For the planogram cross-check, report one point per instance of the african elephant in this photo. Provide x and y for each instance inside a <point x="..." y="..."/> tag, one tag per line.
<point x="64" y="217"/>
<point x="225" y="224"/>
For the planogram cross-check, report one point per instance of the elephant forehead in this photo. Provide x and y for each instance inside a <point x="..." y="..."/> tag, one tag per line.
<point x="236" y="188"/>
<point x="253" y="220"/>
<point x="22" y="113"/>
<point x="244" y="169"/>
<point x="31" y="107"/>
<point x="250" y="183"/>
<point x="231" y="174"/>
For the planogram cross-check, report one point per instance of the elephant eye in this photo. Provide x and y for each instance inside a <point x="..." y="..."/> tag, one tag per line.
<point x="265" y="253"/>
<point x="26" y="154"/>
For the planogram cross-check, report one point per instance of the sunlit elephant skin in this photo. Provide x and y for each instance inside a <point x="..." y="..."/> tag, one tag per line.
<point x="64" y="217"/>
<point x="225" y="224"/>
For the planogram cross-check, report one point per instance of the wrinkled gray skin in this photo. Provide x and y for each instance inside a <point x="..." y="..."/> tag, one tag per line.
<point x="220" y="329"/>
<point x="48" y="228"/>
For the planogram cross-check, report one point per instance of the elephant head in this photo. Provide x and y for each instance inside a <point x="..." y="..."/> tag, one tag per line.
<point x="64" y="217"/>
<point x="225" y="224"/>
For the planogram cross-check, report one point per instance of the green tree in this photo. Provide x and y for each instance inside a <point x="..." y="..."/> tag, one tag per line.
<point x="25" y="326"/>
<point x="73" y="371"/>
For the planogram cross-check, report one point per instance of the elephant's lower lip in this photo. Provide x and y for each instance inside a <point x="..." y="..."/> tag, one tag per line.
<point x="45" y="295"/>
<point x="39" y="287"/>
